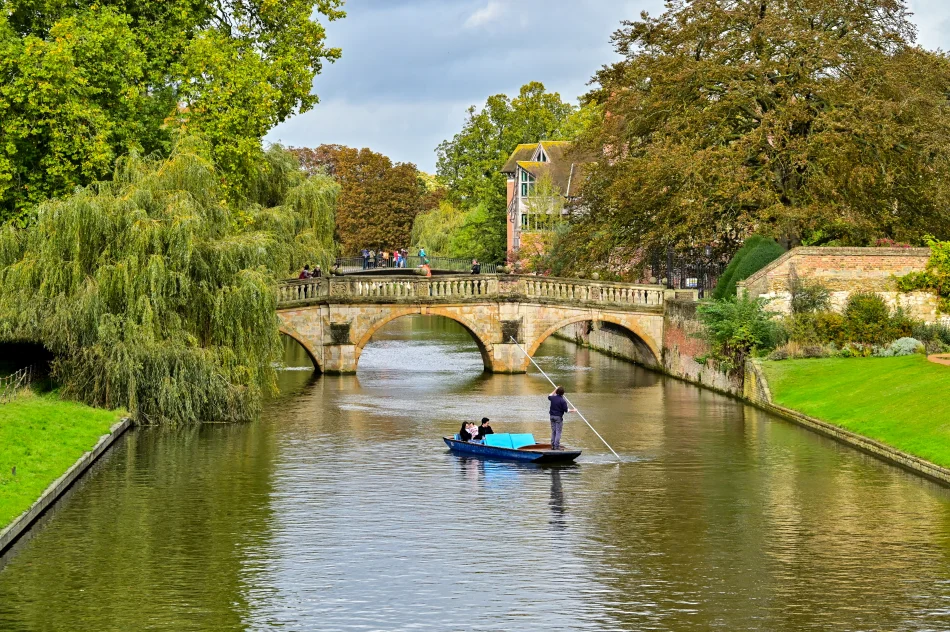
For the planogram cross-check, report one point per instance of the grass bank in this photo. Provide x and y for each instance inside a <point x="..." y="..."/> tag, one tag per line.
<point x="42" y="436"/>
<point x="902" y="402"/>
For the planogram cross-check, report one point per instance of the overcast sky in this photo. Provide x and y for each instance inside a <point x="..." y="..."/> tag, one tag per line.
<point x="410" y="68"/>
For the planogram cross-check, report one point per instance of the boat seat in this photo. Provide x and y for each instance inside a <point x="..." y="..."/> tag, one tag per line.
<point x="521" y="440"/>
<point x="499" y="440"/>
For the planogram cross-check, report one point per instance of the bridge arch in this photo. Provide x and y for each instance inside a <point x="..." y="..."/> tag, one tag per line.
<point x="644" y="342"/>
<point x="484" y="348"/>
<point x="294" y="335"/>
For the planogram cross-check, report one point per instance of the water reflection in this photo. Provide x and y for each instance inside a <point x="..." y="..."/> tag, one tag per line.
<point x="343" y="510"/>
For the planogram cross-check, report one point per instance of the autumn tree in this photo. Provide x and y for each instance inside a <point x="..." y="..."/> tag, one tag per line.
<point x="812" y="121"/>
<point x="470" y="163"/>
<point x="84" y="82"/>
<point x="378" y="199"/>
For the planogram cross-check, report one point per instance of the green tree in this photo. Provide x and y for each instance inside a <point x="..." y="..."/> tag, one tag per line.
<point x="378" y="199"/>
<point x="84" y="82"/>
<point x="157" y="295"/>
<point x="756" y="253"/>
<point x="436" y="231"/>
<point x="737" y="327"/>
<point x="469" y="164"/>
<point x="813" y="120"/>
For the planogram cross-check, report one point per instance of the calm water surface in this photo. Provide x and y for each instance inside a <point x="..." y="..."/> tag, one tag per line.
<point x="342" y="510"/>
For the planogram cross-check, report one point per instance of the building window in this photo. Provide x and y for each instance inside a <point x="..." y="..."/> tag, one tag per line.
<point x="527" y="184"/>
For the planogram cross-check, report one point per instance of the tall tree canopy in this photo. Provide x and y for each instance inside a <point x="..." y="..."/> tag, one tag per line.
<point x="155" y="293"/>
<point x="815" y="121"/>
<point x="470" y="163"/>
<point x="378" y="199"/>
<point x="84" y="82"/>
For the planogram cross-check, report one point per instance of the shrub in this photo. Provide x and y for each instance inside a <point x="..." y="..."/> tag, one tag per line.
<point x="738" y="327"/>
<point x="868" y="319"/>
<point x="901" y="347"/>
<point x="779" y="354"/>
<point x="809" y="296"/>
<point x="817" y="327"/>
<point x="756" y="253"/>
<point x="936" y="278"/>
<point x="927" y="333"/>
<point x="906" y="346"/>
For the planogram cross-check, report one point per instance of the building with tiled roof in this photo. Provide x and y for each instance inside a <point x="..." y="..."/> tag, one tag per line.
<point x="528" y="165"/>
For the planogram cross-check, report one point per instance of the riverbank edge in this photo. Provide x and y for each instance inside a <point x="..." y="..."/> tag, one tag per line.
<point x="20" y="525"/>
<point x="756" y="392"/>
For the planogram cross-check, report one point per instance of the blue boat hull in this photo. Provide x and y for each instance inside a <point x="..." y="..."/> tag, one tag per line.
<point x="527" y="454"/>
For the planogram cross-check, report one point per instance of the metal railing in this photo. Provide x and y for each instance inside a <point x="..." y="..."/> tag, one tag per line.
<point x="11" y="384"/>
<point x="470" y="287"/>
<point x="352" y="265"/>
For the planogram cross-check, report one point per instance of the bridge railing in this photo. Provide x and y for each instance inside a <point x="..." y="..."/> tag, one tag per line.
<point x="351" y="265"/>
<point x="467" y="287"/>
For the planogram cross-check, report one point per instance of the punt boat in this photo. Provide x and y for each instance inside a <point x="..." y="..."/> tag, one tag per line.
<point x="514" y="447"/>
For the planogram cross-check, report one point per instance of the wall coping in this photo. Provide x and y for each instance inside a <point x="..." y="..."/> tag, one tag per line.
<point x="20" y="525"/>
<point x="823" y="251"/>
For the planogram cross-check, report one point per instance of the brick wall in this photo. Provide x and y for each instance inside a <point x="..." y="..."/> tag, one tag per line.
<point x="843" y="271"/>
<point x="681" y="347"/>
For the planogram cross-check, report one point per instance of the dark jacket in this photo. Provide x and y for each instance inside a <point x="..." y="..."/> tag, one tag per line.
<point x="463" y="434"/>
<point x="484" y="430"/>
<point x="558" y="405"/>
<point x="477" y="268"/>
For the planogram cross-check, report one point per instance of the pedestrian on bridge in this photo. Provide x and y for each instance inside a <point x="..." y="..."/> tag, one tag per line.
<point x="476" y="267"/>
<point x="559" y="407"/>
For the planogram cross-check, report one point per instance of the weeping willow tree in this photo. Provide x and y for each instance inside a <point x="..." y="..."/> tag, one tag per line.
<point x="155" y="293"/>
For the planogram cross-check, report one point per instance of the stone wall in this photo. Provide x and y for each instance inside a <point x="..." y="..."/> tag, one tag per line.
<point x="612" y="340"/>
<point x="681" y="347"/>
<point x="843" y="271"/>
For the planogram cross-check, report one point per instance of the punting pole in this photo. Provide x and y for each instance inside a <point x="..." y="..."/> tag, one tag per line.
<point x="579" y="413"/>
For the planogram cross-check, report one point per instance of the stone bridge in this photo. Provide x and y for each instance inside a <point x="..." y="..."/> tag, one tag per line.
<point x="334" y="318"/>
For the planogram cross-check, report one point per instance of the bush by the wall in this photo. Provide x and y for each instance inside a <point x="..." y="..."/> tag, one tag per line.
<point x="936" y="278"/>
<point x="756" y="253"/>
<point x="809" y="296"/>
<point x="737" y="328"/>
<point x="816" y="328"/>
<point x="901" y="347"/>
<point x="868" y="320"/>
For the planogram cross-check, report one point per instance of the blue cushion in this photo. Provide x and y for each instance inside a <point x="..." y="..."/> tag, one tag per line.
<point x="501" y="440"/>
<point x="521" y="440"/>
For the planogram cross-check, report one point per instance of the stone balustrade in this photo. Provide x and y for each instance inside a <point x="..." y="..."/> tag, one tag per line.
<point x="468" y="288"/>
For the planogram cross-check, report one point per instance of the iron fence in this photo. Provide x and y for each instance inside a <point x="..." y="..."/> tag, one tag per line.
<point x="353" y="265"/>
<point x="690" y="270"/>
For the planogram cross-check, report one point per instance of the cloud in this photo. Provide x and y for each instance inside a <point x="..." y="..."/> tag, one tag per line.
<point x="491" y="12"/>
<point x="411" y="67"/>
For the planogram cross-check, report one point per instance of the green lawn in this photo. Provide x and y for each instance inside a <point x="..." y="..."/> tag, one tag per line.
<point x="903" y="402"/>
<point x="42" y="436"/>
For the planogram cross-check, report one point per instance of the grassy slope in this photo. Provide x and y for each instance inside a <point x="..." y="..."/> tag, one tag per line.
<point x="43" y="436"/>
<point x="903" y="402"/>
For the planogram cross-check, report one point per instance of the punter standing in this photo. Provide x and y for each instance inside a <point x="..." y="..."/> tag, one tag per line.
<point x="559" y="407"/>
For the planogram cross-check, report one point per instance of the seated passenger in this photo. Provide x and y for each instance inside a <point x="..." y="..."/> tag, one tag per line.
<point x="463" y="432"/>
<point x="473" y="431"/>
<point x="484" y="429"/>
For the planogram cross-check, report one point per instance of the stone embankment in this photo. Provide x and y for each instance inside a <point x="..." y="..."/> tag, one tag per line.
<point x="681" y="347"/>
<point x="19" y="527"/>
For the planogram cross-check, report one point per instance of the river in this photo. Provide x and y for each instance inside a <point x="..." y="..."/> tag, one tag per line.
<point x="341" y="509"/>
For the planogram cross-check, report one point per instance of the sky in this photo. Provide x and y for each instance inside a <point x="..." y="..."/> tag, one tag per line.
<point x="411" y="68"/>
